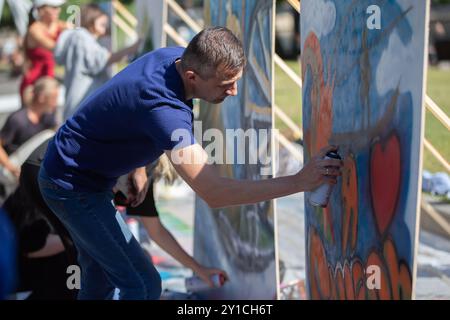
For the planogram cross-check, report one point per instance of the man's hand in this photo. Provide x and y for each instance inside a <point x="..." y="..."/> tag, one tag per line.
<point x="137" y="186"/>
<point x="318" y="171"/>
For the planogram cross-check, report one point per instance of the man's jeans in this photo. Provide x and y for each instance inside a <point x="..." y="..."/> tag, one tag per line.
<point x="108" y="254"/>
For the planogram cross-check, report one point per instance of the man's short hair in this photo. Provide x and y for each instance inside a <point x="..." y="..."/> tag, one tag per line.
<point x="43" y="86"/>
<point x="214" y="49"/>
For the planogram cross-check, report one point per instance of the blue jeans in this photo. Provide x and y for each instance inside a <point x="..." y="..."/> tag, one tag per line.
<point x="108" y="254"/>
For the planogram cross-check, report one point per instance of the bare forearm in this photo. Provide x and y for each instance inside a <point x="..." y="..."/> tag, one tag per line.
<point x="4" y="159"/>
<point x="119" y="55"/>
<point x="231" y="192"/>
<point x="191" y="163"/>
<point x="168" y="243"/>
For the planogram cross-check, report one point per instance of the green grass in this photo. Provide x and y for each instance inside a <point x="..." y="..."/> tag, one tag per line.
<point x="288" y="98"/>
<point x="438" y="88"/>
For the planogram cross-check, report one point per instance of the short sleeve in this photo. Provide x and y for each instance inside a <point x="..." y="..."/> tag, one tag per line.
<point x="169" y="127"/>
<point x="95" y="57"/>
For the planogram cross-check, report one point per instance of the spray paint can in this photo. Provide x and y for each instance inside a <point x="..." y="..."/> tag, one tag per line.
<point x="195" y="283"/>
<point x="320" y="196"/>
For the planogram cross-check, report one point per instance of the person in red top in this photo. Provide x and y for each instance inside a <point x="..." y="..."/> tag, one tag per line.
<point x="40" y="41"/>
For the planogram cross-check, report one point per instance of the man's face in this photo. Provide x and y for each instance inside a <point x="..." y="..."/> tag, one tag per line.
<point x="49" y="101"/>
<point x="217" y="88"/>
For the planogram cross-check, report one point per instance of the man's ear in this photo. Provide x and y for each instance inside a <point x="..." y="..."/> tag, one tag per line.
<point x="191" y="75"/>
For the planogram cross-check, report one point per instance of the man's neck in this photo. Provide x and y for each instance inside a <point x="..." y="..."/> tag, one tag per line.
<point x="34" y="113"/>
<point x="187" y="90"/>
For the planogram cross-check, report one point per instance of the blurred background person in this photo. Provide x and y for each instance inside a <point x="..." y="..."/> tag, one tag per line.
<point x="40" y="40"/>
<point x="22" y="125"/>
<point x="20" y="10"/>
<point x="85" y="60"/>
<point x="45" y="249"/>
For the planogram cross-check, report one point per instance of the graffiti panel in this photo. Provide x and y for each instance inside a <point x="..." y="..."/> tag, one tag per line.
<point x="241" y="239"/>
<point x="363" y="68"/>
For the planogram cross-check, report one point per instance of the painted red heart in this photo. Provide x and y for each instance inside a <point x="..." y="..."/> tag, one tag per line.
<point x="385" y="165"/>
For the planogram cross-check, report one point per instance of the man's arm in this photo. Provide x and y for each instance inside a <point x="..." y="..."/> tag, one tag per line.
<point x="4" y="161"/>
<point x="219" y="191"/>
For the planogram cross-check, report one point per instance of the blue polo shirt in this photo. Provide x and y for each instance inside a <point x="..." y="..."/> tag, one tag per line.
<point x="125" y="124"/>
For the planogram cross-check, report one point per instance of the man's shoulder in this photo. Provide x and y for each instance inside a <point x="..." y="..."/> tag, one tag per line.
<point x="162" y="54"/>
<point x="16" y="120"/>
<point x="18" y="116"/>
<point x="170" y="51"/>
<point x="153" y="70"/>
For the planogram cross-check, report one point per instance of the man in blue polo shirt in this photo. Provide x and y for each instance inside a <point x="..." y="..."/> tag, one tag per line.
<point x="127" y="124"/>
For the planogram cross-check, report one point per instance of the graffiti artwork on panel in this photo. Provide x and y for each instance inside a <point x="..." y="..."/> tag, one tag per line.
<point x="241" y="239"/>
<point x="363" y="68"/>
